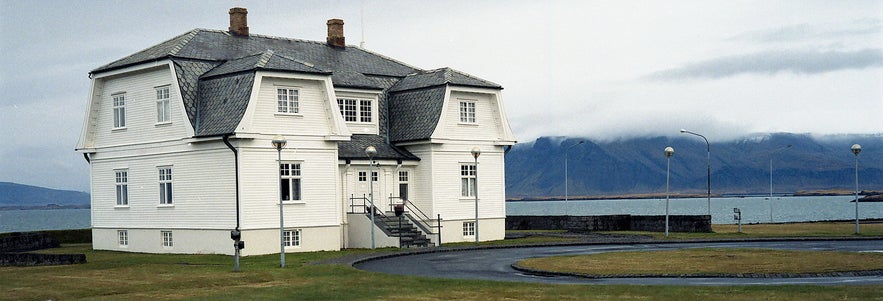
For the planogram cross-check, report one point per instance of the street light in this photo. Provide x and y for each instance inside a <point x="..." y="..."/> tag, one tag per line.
<point x="565" y="173"/>
<point x="771" y="178"/>
<point x="668" y="152"/>
<point x="278" y="143"/>
<point x="855" y="150"/>
<point x="371" y="151"/>
<point x="475" y="153"/>
<point x="708" y="165"/>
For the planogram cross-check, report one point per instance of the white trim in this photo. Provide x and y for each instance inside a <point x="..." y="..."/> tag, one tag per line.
<point x="138" y="67"/>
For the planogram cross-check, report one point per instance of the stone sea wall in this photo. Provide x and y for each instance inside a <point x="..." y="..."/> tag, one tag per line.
<point x="653" y="223"/>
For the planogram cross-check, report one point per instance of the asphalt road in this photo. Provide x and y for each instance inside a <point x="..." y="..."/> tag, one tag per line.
<point x="495" y="264"/>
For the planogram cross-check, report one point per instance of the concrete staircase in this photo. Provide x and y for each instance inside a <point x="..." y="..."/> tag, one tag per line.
<point x="410" y="235"/>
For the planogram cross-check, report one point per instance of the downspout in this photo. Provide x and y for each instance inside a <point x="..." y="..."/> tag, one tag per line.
<point x="236" y="234"/>
<point x="226" y="139"/>
<point x="88" y="160"/>
<point x="507" y="149"/>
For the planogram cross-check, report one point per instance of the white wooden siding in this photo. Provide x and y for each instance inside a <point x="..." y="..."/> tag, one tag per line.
<point x="487" y="127"/>
<point x="203" y="186"/>
<point x="141" y="126"/>
<point x="313" y="118"/>
<point x="259" y="174"/>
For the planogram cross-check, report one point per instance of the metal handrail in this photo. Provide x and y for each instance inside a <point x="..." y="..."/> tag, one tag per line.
<point x="421" y="219"/>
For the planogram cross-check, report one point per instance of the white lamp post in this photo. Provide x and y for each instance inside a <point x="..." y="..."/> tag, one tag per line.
<point x="708" y="165"/>
<point x="475" y="153"/>
<point x="278" y="143"/>
<point x="668" y="152"/>
<point x="771" y="178"/>
<point x="371" y="151"/>
<point x="855" y="150"/>
<point x="565" y="175"/>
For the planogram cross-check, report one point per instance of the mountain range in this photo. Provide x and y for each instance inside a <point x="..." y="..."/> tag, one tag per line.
<point x="21" y="196"/>
<point x="638" y="165"/>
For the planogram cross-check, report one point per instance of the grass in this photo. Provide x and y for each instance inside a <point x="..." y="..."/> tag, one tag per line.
<point x="820" y="229"/>
<point x="132" y="276"/>
<point x="709" y="262"/>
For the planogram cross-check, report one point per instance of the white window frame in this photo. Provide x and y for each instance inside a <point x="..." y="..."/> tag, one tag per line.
<point x="163" y="105"/>
<point x="119" y="110"/>
<point x="121" y="187"/>
<point x="292" y="238"/>
<point x="363" y="176"/>
<point x="168" y="240"/>
<point x="467" y="111"/>
<point x="292" y="173"/>
<point x="404" y="181"/>
<point x="469" y="229"/>
<point x="287" y="101"/>
<point x="468" y="172"/>
<point x="123" y="238"/>
<point x="166" y="193"/>
<point x="356" y="110"/>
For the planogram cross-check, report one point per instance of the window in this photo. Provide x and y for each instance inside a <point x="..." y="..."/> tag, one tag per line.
<point x="167" y="239"/>
<point x="403" y="185"/>
<point x="373" y="176"/>
<point x="356" y="110"/>
<point x="467" y="112"/>
<point x="289" y="185"/>
<point x="292" y="238"/>
<point x="165" y="185"/>
<point x="163" y="111"/>
<point x="363" y="176"/>
<point x="119" y="111"/>
<point x="122" y="186"/>
<point x="347" y="109"/>
<point x="364" y="111"/>
<point x="287" y="101"/>
<point x="469" y="229"/>
<point x="467" y="180"/>
<point x="123" y="237"/>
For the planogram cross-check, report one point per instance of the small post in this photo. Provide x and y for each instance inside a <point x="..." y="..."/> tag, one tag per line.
<point x="439" y="226"/>
<point x="737" y="215"/>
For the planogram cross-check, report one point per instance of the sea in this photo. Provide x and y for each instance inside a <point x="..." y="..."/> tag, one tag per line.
<point x="38" y="220"/>
<point x="756" y="209"/>
<point x="753" y="210"/>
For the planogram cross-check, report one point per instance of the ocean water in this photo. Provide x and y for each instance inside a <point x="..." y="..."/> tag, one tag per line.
<point x="36" y="220"/>
<point x="754" y="209"/>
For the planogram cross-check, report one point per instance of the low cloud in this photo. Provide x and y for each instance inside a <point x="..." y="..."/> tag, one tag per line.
<point x="774" y="62"/>
<point x="807" y="32"/>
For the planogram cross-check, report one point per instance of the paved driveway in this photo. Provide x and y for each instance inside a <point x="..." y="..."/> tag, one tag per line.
<point x="495" y="264"/>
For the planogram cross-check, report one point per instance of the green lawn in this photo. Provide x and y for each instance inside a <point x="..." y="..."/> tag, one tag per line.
<point x="821" y="229"/>
<point x="117" y="276"/>
<point x="708" y="262"/>
<point x="132" y="276"/>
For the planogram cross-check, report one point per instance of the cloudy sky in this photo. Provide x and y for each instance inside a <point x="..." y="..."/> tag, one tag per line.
<point x="596" y="69"/>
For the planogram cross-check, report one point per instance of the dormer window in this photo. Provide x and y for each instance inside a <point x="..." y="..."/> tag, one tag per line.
<point x="287" y="101"/>
<point x="467" y="111"/>
<point x="356" y="110"/>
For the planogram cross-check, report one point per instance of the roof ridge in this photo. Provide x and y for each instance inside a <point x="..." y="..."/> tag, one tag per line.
<point x="187" y="37"/>
<point x="265" y="58"/>
<point x="308" y="64"/>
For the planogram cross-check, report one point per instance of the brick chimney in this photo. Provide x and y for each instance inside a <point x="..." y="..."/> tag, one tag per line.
<point x="238" y="21"/>
<point x="335" y="33"/>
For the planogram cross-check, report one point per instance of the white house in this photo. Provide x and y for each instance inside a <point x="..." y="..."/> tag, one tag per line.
<point x="179" y="141"/>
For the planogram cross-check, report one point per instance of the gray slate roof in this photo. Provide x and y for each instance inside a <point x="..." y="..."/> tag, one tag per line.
<point x="216" y="71"/>
<point x="438" y="77"/>
<point x="415" y="113"/>
<point x="355" y="149"/>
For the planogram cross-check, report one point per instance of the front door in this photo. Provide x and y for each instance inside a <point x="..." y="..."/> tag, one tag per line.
<point x="365" y="179"/>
